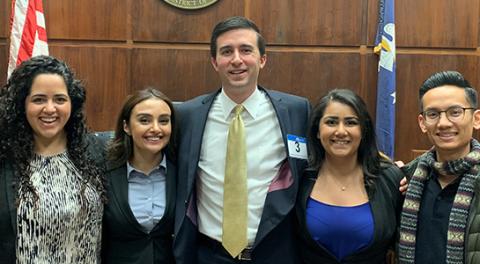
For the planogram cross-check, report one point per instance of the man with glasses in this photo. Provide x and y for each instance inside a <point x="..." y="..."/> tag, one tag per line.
<point x="440" y="221"/>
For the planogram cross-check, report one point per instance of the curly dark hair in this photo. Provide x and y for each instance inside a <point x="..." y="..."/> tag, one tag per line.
<point x="17" y="141"/>
<point x="120" y="148"/>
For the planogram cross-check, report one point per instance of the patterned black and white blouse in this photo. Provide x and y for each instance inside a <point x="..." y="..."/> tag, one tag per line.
<point x="55" y="229"/>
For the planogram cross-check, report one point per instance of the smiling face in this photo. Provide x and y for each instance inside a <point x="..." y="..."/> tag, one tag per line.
<point x="451" y="139"/>
<point x="150" y="127"/>
<point x="48" y="108"/>
<point x="238" y="60"/>
<point x="339" y="131"/>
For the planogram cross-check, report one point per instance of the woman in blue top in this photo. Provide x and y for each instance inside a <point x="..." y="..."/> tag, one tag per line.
<point x="349" y="200"/>
<point x="138" y="219"/>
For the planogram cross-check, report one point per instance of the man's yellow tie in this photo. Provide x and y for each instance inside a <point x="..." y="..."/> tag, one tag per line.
<point x="234" y="236"/>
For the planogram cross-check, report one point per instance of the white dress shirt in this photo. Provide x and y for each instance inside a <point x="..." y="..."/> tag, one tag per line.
<point x="265" y="154"/>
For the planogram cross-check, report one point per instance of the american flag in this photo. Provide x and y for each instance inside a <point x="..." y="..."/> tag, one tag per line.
<point x="28" y="36"/>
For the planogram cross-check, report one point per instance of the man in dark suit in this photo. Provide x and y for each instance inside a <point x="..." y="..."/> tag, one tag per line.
<point x="273" y="127"/>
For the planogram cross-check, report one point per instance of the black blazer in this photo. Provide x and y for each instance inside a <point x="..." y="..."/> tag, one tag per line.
<point x="386" y="203"/>
<point x="8" y="215"/>
<point x="124" y="241"/>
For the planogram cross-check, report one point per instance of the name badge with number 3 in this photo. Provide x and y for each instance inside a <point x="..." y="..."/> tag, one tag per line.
<point x="297" y="146"/>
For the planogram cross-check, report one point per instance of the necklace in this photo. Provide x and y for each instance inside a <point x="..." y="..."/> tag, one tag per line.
<point x="350" y="181"/>
<point x="341" y="186"/>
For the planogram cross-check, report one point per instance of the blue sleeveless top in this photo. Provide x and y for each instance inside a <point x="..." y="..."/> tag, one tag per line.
<point x="342" y="230"/>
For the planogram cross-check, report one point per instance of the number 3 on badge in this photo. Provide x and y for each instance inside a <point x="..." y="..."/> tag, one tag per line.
<point x="297" y="146"/>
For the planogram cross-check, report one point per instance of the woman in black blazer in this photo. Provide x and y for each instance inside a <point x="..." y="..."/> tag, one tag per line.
<point x="349" y="200"/>
<point x="138" y="219"/>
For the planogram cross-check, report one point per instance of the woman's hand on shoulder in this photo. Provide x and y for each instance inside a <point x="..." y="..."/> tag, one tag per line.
<point x="403" y="185"/>
<point x="404" y="182"/>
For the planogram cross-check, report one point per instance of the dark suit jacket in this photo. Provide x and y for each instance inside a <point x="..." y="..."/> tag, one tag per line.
<point x="124" y="241"/>
<point x="8" y="215"/>
<point x="386" y="203"/>
<point x="8" y="210"/>
<point x="274" y="242"/>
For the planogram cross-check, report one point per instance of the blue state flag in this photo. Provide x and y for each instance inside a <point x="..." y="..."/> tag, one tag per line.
<point x="386" y="95"/>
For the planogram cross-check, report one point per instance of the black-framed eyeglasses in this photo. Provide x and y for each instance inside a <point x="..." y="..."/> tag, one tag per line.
<point x="453" y="113"/>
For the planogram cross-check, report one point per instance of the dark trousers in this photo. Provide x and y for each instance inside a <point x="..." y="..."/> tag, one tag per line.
<point x="278" y="247"/>
<point x="211" y="251"/>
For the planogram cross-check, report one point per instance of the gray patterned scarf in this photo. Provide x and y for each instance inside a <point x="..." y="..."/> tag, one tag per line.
<point x="468" y="169"/>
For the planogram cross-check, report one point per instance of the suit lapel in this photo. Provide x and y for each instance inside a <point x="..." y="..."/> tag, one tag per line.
<point x="169" y="195"/>
<point x="196" y="135"/>
<point x="378" y="225"/>
<point x="283" y="117"/>
<point x="278" y="203"/>
<point x="119" y="188"/>
<point x="170" y="188"/>
<point x="305" y="191"/>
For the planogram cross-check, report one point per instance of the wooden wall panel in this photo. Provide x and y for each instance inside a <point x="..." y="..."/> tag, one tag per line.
<point x="432" y="23"/>
<point x="180" y="73"/>
<point x="86" y="19"/>
<point x="304" y="22"/>
<point x="413" y="69"/>
<point x="4" y="18"/>
<point x="154" y="20"/>
<point x="310" y="74"/>
<point x="3" y="64"/>
<point x="105" y="72"/>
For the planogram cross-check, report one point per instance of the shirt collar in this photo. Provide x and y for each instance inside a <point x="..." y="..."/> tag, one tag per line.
<point x="162" y="164"/>
<point x="251" y="104"/>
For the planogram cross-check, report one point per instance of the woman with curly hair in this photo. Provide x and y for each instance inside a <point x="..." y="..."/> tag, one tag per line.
<point x="51" y="188"/>
<point x="138" y="220"/>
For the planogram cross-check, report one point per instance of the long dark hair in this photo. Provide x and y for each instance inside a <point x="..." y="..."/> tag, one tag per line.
<point x="121" y="147"/>
<point x="368" y="155"/>
<point x="17" y="141"/>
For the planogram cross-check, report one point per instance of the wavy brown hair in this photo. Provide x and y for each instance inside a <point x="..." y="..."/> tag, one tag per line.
<point x="17" y="141"/>
<point x="120" y="148"/>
